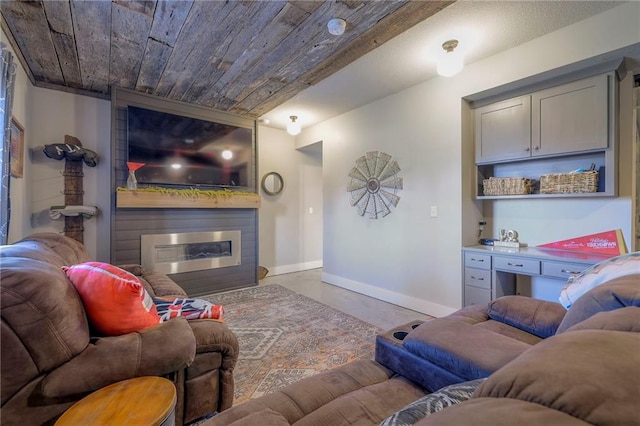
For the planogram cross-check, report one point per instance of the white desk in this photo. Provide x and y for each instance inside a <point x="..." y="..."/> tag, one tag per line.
<point x="490" y="272"/>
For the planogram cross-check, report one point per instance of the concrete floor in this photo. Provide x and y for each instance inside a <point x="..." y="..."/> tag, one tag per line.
<point x="382" y="314"/>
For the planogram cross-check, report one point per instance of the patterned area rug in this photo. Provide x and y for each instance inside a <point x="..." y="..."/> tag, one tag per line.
<point x="285" y="337"/>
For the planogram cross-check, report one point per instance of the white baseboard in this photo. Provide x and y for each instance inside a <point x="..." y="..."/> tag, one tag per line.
<point x="409" y="302"/>
<point x="297" y="267"/>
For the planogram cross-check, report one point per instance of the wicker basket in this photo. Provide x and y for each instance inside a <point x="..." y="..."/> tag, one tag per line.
<point x="507" y="186"/>
<point x="262" y="272"/>
<point x="562" y="183"/>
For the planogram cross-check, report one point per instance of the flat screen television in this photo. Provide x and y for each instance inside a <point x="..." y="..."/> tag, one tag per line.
<point x="187" y="151"/>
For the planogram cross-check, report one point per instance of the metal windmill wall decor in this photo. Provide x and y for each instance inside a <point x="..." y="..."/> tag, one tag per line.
<point x="375" y="184"/>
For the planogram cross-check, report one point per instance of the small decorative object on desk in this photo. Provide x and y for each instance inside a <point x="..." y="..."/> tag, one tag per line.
<point x="132" y="182"/>
<point x="577" y="181"/>
<point x="507" y="186"/>
<point x="508" y="238"/>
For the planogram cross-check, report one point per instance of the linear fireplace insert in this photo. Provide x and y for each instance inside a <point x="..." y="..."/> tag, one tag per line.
<point x="191" y="251"/>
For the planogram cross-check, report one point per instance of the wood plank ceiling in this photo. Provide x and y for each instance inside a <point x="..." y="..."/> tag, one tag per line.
<point x="244" y="57"/>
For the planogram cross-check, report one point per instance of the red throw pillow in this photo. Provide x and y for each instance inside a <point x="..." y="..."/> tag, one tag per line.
<point x="115" y="300"/>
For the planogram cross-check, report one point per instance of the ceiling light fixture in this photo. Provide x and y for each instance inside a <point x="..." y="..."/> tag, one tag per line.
<point x="451" y="62"/>
<point x="337" y="26"/>
<point x="227" y="154"/>
<point x="293" y="128"/>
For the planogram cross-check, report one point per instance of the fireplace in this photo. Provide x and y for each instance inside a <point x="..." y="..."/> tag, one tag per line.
<point x="190" y="251"/>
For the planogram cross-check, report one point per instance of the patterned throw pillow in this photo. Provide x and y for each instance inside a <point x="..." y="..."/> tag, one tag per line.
<point x="115" y="300"/>
<point x="619" y="266"/>
<point x="429" y="404"/>
<point x="188" y="308"/>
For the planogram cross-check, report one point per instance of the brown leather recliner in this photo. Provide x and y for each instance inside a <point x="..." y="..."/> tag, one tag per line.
<point x="50" y="359"/>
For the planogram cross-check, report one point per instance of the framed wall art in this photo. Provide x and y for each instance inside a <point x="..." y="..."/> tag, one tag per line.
<point x="16" y="136"/>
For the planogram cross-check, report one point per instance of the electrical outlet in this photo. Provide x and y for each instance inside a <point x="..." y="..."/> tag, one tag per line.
<point x="434" y="211"/>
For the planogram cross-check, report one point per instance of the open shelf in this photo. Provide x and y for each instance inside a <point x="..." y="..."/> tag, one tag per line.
<point x="153" y="200"/>
<point x="534" y="168"/>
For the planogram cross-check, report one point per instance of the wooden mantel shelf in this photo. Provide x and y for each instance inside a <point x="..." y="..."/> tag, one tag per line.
<point x="154" y="200"/>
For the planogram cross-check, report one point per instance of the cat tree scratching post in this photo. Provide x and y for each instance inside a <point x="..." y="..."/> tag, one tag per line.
<point x="73" y="211"/>
<point x="73" y="193"/>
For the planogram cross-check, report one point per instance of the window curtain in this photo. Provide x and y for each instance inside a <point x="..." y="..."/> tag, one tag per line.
<point x="7" y="79"/>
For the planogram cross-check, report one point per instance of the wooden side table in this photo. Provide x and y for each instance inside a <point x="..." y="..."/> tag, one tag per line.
<point x="148" y="401"/>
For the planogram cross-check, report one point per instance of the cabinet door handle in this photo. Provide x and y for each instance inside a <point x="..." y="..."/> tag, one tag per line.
<point x="517" y="265"/>
<point x="567" y="271"/>
<point x="477" y="278"/>
<point x="536" y="148"/>
<point x="477" y="260"/>
<point x="527" y="149"/>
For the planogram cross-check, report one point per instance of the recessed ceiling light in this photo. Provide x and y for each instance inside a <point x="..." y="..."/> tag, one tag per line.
<point x="227" y="154"/>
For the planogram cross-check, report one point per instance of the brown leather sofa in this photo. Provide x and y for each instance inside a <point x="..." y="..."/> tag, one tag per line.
<point x="531" y="362"/>
<point x="51" y="358"/>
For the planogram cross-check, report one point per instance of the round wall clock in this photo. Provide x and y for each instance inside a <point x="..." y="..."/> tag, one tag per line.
<point x="374" y="184"/>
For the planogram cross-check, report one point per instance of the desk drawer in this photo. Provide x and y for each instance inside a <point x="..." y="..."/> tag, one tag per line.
<point x="476" y="296"/>
<point x="476" y="260"/>
<point x="477" y="277"/>
<point x="562" y="269"/>
<point x="517" y="265"/>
